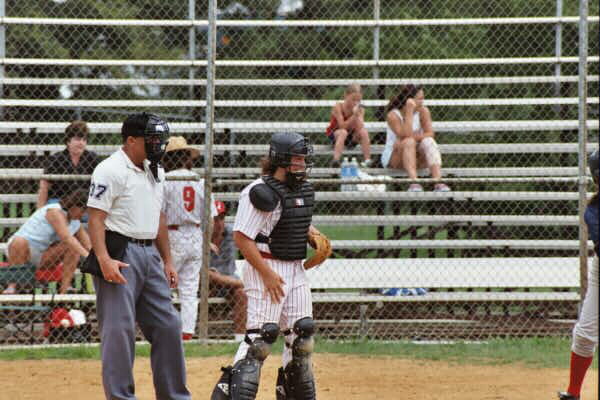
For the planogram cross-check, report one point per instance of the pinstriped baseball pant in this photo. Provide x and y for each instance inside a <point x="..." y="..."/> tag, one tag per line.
<point x="296" y="303"/>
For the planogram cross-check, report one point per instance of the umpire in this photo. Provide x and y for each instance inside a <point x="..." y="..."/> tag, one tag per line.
<point x="130" y="243"/>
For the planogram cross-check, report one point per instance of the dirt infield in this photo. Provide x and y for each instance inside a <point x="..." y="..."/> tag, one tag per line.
<point x="338" y="377"/>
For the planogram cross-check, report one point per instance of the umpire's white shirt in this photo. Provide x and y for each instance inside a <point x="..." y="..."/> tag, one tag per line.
<point x="130" y="195"/>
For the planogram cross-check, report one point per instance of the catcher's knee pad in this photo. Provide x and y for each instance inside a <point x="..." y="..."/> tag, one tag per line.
<point x="245" y="374"/>
<point x="298" y="374"/>
<point x="583" y="345"/>
<point x="429" y="148"/>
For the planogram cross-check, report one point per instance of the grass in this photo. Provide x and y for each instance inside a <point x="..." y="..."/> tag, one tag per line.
<point x="533" y="352"/>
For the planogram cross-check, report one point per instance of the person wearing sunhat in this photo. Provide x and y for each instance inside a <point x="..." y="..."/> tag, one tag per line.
<point x="183" y="206"/>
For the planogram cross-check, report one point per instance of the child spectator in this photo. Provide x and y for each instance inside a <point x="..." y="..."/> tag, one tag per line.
<point x="347" y="127"/>
<point x="410" y="142"/>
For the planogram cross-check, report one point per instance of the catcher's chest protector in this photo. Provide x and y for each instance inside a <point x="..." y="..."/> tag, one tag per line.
<point x="289" y="237"/>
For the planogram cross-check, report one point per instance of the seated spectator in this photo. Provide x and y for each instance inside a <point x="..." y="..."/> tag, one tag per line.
<point x="410" y="142"/>
<point x="73" y="160"/>
<point x="52" y="234"/>
<point x="347" y="127"/>
<point x="222" y="274"/>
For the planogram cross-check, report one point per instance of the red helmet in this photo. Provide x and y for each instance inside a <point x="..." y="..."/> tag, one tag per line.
<point x="221" y="208"/>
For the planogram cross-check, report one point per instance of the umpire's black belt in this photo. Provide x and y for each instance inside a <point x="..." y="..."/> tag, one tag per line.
<point x="141" y="242"/>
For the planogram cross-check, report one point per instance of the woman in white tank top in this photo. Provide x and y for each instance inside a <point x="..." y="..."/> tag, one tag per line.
<point x="410" y="142"/>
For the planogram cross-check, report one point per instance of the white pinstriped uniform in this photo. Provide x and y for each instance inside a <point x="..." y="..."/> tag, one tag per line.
<point x="296" y="302"/>
<point x="183" y="206"/>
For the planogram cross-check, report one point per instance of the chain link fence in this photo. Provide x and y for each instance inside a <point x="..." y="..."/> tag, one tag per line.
<point x="496" y="256"/>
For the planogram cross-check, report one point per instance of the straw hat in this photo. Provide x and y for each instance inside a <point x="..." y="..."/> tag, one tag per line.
<point x="179" y="143"/>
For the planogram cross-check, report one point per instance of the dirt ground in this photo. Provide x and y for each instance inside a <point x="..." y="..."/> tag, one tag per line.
<point x="338" y="377"/>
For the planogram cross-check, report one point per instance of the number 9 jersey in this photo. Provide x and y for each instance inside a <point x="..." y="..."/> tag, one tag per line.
<point x="183" y="202"/>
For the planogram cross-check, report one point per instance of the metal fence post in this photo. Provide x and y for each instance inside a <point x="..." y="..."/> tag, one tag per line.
<point x="376" y="31"/>
<point x="208" y="164"/>
<point x="558" y="51"/>
<point x="582" y="113"/>
<point x="2" y="52"/>
<point x="192" y="44"/>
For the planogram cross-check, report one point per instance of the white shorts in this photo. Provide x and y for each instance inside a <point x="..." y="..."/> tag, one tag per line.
<point x="35" y="254"/>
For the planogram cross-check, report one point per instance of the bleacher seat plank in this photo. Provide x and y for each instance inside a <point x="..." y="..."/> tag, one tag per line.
<point x="330" y="297"/>
<point x="384" y="196"/>
<point x="83" y="298"/>
<point x="436" y="220"/>
<point x="326" y="297"/>
<point x="323" y="172"/>
<point x="448" y="244"/>
<point x="529" y="272"/>
<point x="410" y="220"/>
<point x="261" y="149"/>
<point x="308" y="127"/>
<point x="458" y="244"/>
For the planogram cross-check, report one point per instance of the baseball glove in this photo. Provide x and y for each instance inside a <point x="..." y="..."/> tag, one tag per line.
<point x="322" y="247"/>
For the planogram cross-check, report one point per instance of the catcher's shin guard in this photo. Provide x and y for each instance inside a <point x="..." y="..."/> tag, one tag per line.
<point x="280" y="393"/>
<point x="298" y="374"/>
<point x="221" y="390"/>
<point x="245" y="374"/>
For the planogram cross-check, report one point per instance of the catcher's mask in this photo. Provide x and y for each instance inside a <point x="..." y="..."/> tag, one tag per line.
<point x="283" y="147"/>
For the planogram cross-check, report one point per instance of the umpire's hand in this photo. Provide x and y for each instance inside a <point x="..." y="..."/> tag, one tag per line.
<point x="111" y="269"/>
<point x="171" y="275"/>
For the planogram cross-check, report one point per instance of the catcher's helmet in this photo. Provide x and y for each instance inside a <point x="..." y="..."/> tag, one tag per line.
<point x="594" y="165"/>
<point x="284" y="145"/>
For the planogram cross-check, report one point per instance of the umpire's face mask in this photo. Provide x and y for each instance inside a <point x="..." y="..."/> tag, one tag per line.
<point x="155" y="142"/>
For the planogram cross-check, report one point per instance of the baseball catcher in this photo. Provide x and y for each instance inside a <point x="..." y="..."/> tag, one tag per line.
<point x="272" y="229"/>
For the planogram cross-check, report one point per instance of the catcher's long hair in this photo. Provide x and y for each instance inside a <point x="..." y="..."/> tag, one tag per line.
<point x="398" y="101"/>
<point x="266" y="166"/>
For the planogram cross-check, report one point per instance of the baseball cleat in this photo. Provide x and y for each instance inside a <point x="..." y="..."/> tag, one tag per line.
<point x="567" y="396"/>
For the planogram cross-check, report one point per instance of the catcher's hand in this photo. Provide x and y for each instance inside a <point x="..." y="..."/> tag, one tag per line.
<point x="322" y="247"/>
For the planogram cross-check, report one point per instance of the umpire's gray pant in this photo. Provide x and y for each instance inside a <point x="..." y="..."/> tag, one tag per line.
<point x="145" y="298"/>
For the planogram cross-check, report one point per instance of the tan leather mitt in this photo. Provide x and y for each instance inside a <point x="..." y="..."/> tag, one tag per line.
<point x="322" y="247"/>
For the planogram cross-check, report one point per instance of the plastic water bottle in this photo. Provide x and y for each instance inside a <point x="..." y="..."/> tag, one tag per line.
<point x="354" y="172"/>
<point x="346" y="174"/>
